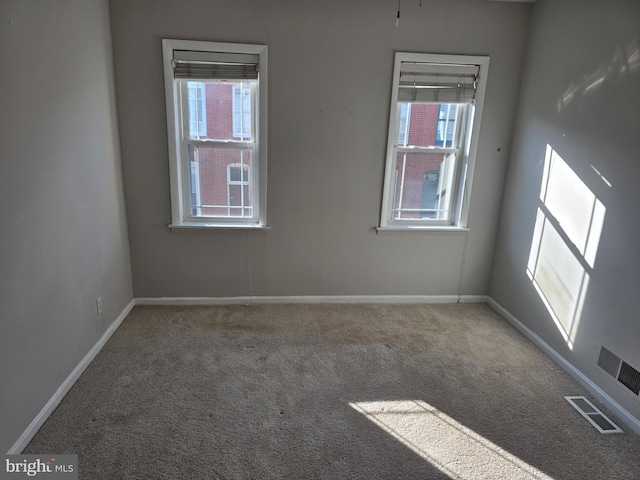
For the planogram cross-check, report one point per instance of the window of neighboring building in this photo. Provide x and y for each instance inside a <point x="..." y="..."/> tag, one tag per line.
<point x="435" y="113"/>
<point x="216" y="113"/>
<point x="238" y="189"/>
<point x="242" y="112"/>
<point x="196" y="202"/>
<point x="446" y="129"/>
<point x="403" y="123"/>
<point x="197" y="109"/>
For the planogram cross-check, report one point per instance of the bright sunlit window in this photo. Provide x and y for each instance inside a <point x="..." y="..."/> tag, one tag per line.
<point x="435" y="115"/>
<point x="216" y="121"/>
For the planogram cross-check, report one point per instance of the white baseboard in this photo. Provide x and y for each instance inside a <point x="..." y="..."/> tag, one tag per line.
<point x="473" y="299"/>
<point x="57" y="397"/>
<point x="632" y="422"/>
<point x="390" y="299"/>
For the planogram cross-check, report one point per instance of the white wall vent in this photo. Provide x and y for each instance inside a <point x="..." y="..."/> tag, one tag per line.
<point x="595" y="417"/>
<point x="619" y="369"/>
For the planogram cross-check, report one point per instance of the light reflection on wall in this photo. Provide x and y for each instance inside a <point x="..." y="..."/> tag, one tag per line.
<point x="449" y="446"/>
<point x="624" y="61"/>
<point x="565" y="243"/>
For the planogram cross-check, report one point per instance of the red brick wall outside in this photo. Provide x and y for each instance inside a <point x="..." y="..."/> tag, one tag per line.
<point x="219" y="110"/>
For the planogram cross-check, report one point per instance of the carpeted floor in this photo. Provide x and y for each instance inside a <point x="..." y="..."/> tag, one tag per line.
<point x="328" y="391"/>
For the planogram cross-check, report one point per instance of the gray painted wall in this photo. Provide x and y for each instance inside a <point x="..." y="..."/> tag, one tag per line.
<point x="64" y="237"/>
<point x="585" y="54"/>
<point x="330" y="67"/>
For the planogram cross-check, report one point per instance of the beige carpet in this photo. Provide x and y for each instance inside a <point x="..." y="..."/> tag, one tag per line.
<point x="328" y="391"/>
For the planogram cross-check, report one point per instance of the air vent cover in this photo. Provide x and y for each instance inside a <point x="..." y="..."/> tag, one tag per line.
<point x="595" y="417"/>
<point x="629" y="377"/>
<point x="620" y="370"/>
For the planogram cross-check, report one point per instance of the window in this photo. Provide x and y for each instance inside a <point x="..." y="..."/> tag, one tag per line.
<point x="435" y="114"/>
<point x="216" y="121"/>
<point x="197" y="109"/>
<point x="238" y="188"/>
<point x="196" y="201"/>
<point x="403" y="123"/>
<point x="445" y="131"/>
<point x="242" y="110"/>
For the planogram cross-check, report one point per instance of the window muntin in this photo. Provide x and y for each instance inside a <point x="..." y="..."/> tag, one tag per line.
<point x="216" y="128"/>
<point x="434" y="109"/>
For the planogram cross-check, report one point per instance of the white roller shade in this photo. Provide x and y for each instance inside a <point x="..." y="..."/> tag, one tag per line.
<point x="215" y="65"/>
<point x="437" y="83"/>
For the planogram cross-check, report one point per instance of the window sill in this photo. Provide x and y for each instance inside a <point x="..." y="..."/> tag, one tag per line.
<point x="211" y="227"/>
<point x="421" y="229"/>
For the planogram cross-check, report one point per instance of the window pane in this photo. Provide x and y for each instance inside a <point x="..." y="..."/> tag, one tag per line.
<point x="446" y="129"/>
<point x="403" y="123"/>
<point x="242" y="110"/>
<point x="218" y="184"/>
<point x="423" y="186"/>
<point x="220" y="110"/>
<point x="196" y="109"/>
<point x="238" y="173"/>
<point x="427" y="124"/>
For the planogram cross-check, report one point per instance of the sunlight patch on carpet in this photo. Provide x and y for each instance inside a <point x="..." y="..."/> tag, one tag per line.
<point x="448" y="445"/>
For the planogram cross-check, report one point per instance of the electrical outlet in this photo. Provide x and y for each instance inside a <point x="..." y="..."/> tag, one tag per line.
<point x="99" y="305"/>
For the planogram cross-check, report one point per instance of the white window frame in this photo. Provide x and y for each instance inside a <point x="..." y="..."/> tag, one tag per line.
<point x="179" y="163"/>
<point x="463" y="174"/>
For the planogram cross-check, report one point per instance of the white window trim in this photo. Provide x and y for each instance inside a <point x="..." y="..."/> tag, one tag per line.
<point x="466" y="162"/>
<point x="179" y="168"/>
